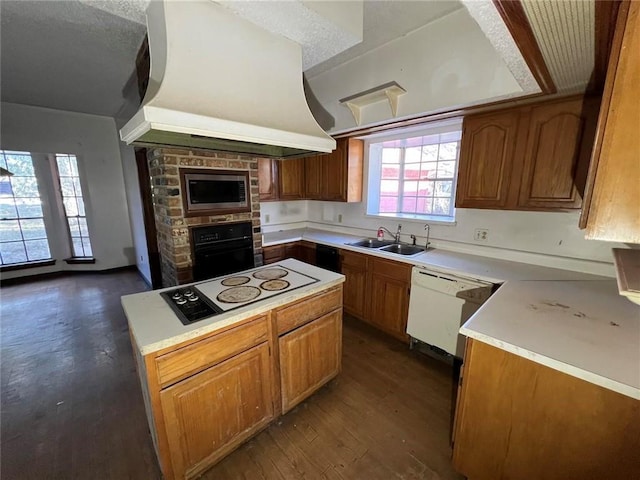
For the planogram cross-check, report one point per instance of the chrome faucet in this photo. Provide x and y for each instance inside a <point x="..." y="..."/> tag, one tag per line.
<point x="396" y="236"/>
<point x="427" y="227"/>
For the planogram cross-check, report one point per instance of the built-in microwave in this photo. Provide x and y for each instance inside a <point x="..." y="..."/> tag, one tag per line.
<point x="207" y="192"/>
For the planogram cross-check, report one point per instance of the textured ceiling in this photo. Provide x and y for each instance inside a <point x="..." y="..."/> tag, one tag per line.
<point x="66" y="55"/>
<point x="565" y="34"/>
<point x="385" y="21"/>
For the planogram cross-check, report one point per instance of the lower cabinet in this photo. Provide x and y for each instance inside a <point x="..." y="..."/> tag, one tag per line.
<point x="211" y="413"/>
<point x="207" y="396"/>
<point x="518" y="419"/>
<point x="310" y="356"/>
<point x="376" y="290"/>
<point x="301" y="250"/>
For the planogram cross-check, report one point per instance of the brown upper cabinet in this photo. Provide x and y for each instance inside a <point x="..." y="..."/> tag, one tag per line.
<point x="533" y="157"/>
<point x="612" y="200"/>
<point x="335" y="176"/>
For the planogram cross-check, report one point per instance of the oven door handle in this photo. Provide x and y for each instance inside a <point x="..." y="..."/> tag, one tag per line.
<point x="220" y="242"/>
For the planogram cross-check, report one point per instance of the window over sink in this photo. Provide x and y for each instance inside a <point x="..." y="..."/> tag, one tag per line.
<point x="412" y="174"/>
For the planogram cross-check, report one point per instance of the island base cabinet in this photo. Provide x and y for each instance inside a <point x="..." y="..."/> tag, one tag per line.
<point x="211" y="413"/>
<point x="310" y="356"/>
<point x="518" y="419"/>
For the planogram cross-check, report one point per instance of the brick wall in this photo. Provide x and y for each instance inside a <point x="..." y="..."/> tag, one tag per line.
<point x="174" y="238"/>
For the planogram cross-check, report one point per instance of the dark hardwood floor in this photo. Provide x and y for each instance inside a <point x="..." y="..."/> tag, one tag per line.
<point x="72" y="406"/>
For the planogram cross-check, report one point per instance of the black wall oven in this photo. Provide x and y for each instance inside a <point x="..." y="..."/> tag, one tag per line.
<point x="221" y="249"/>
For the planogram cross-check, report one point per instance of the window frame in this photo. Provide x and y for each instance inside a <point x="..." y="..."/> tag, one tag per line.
<point x="373" y="171"/>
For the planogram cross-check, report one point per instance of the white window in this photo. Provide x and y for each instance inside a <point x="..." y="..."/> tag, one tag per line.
<point x="413" y="175"/>
<point x="23" y="237"/>
<point x="36" y="180"/>
<point x="71" y="191"/>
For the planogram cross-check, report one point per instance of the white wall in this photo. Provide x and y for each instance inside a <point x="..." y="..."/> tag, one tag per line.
<point x="446" y="63"/>
<point x="93" y="139"/>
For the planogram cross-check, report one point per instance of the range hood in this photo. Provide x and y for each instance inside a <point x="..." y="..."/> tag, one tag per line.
<point x="220" y="82"/>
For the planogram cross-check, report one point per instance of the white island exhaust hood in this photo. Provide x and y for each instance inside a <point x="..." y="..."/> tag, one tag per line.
<point x="220" y="82"/>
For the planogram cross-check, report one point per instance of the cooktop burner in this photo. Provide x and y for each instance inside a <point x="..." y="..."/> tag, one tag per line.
<point x="220" y="295"/>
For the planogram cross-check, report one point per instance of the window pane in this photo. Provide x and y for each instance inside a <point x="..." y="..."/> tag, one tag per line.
<point x="412" y="171"/>
<point x="25" y="187"/>
<point x="64" y="167"/>
<point x="80" y="206"/>
<point x="37" y="249"/>
<point x="388" y="204"/>
<point x="448" y="151"/>
<point x="446" y="169"/>
<point x="33" y="229"/>
<point x="429" y="170"/>
<point x="19" y="165"/>
<point x="424" y="205"/>
<point x="441" y="206"/>
<point x="443" y="189"/>
<point x="8" y="208"/>
<point x="77" y="187"/>
<point x="77" y="247"/>
<point x="429" y="153"/>
<point x="29" y="207"/>
<point x="12" y="252"/>
<point x="390" y="155"/>
<point x="412" y="155"/>
<point x="66" y="184"/>
<point x="10" y="231"/>
<point x="410" y="188"/>
<point x="87" y="247"/>
<point x="73" y="227"/>
<point x="409" y="204"/>
<point x="82" y="223"/>
<point x="74" y="165"/>
<point x="390" y="171"/>
<point x="426" y="188"/>
<point x="70" y="206"/>
<point x="389" y="187"/>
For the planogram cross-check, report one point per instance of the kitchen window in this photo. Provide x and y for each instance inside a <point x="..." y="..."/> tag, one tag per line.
<point x="413" y="175"/>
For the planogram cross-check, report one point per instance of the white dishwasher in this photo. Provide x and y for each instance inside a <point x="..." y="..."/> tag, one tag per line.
<point x="439" y="304"/>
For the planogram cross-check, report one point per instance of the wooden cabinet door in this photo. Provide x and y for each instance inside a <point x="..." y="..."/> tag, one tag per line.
<point x="334" y="179"/>
<point x="486" y="159"/>
<point x="291" y="179"/>
<point x="551" y="156"/>
<point x="354" y="268"/>
<point x="310" y="356"/>
<point x="522" y="420"/>
<point x="612" y="212"/>
<point x="313" y="167"/>
<point x="292" y="250"/>
<point x="389" y="305"/>
<point x="307" y="252"/>
<point x="211" y="413"/>
<point x="267" y="179"/>
<point x="272" y="254"/>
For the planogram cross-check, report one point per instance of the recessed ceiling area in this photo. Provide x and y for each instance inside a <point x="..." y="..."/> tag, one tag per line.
<point x="78" y="55"/>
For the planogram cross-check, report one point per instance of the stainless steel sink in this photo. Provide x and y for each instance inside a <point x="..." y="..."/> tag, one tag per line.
<point x="402" y="249"/>
<point x="371" y="243"/>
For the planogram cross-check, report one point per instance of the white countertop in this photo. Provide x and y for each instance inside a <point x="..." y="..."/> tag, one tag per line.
<point x="559" y="318"/>
<point x="155" y="326"/>
<point x="583" y="328"/>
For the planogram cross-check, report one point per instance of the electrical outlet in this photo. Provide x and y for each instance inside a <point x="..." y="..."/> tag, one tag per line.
<point x="339" y="218"/>
<point x="266" y="218"/>
<point x="481" y="235"/>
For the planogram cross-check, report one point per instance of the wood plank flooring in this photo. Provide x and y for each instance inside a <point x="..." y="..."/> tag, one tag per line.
<point x="72" y="406"/>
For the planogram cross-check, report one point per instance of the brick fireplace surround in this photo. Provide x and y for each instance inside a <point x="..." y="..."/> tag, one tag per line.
<point x="174" y="237"/>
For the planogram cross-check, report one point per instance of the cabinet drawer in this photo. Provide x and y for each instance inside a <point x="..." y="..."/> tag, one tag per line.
<point x="354" y="260"/>
<point x="391" y="269"/>
<point x="186" y="361"/>
<point x="288" y="318"/>
<point x="273" y="254"/>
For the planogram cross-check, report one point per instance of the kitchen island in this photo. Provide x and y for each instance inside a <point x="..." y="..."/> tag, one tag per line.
<point x="211" y="385"/>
